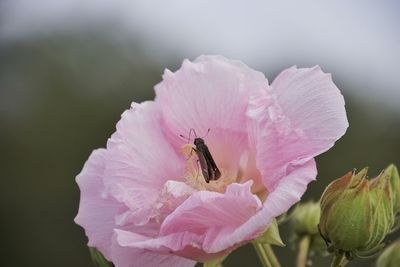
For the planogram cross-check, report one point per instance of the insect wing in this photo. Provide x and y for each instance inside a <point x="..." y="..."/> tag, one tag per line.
<point x="204" y="165"/>
<point x="213" y="170"/>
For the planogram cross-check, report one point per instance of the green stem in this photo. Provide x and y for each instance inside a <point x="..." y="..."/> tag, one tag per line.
<point x="302" y="255"/>
<point x="262" y="255"/>
<point x="339" y="260"/>
<point x="271" y="255"/>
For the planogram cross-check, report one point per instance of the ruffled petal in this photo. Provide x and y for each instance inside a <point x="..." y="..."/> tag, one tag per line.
<point x="287" y="192"/>
<point x="299" y="117"/>
<point x="213" y="215"/>
<point x="210" y="93"/>
<point x="140" y="161"/>
<point x="290" y="189"/>
<point x="205" y="221"/>
<point x="96" y="211"/>
<point x="171" y="196"/>
<point x="128" y="257"/>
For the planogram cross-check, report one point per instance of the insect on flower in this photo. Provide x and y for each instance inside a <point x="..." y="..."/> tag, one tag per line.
<point x="209" y="169"/>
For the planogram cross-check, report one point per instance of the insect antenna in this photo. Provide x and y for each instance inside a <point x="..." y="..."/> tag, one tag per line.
<point x="190" y="133"/>
<point x="208" y="131"/>
<point x="192" y="130"/>
<point x="184" y="137"/>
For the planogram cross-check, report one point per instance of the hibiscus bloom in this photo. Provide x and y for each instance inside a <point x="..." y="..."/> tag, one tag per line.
<point x="145" y="200"/>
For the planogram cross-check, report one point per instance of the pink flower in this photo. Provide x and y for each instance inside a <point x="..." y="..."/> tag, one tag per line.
<point x="144" y="199"/>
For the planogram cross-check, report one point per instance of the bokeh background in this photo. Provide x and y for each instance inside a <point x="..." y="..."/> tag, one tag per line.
<point x="69" y="68"/>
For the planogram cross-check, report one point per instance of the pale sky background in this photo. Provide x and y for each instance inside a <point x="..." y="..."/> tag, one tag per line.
<point x="357" y="41"/>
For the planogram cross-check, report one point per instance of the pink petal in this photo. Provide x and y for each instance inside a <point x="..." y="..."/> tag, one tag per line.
<point x="291" y="188"/>
<point x="227" y="147"/>
<point x="210" y="93"/>
<point x="128" y="257"/>
<point x="184" y="244"/>
<point x="205" y="221"/>
<point x="171" y="196"/>
<point x="213" y="215"/>
<point x="96" y="212"/>
<point x="140" y="161"/>
<point x="301" y="116"/>
<point x="287" y="192"/>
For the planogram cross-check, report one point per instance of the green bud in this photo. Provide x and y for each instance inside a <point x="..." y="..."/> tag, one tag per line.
<point x="346" y="212"/>
<point x="357" y="214"/>
<point x="304" y="224"/>
<point x="305" y="218"/>
<point x="390" y="257"/>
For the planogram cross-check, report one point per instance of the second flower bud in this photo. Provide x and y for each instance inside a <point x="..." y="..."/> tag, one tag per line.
<point x="357" y="213"/>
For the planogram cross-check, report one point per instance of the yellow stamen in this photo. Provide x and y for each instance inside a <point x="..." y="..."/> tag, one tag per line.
<point x="194" y="177"/>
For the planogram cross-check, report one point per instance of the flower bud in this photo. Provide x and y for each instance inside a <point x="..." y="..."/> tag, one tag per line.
<point x="304" y="223"/>
<point x="390" y="257"/>
<point x="357" y="214"/>
<point x="305" y="218"/>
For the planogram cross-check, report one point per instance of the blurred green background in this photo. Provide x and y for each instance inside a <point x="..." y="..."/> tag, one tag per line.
<point x="61" y="94"/>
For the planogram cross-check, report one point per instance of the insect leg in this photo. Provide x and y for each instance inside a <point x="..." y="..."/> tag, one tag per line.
<point x="198" y="168"/>
<point x="191" y="153"/>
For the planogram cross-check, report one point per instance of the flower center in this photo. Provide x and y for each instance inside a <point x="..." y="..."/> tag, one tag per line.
<point x="200" y="180"/>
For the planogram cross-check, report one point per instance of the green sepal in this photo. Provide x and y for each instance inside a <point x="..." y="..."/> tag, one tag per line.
<point x="396" y="225"/>
<point x="215" y="262"/>
<point x="271" y="235"/>
<point x="382" y="220"/>
<point x="98" y="258"/>
<point x="393" y="175"/>
<point x="367" y="254"/>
